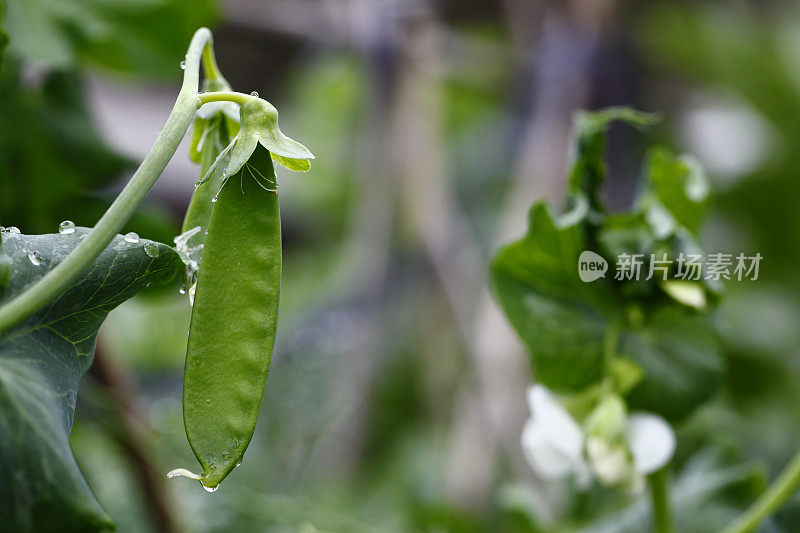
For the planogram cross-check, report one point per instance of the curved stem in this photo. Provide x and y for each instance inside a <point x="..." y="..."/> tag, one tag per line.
<point x="57" y="280"/>
<point x="776" y="495"/>
<point x="659" y="495"/>
<point x="226" y="96"/>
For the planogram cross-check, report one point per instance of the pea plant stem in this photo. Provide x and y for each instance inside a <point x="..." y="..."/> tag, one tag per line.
<point x="57" y="280"/>
<point x="659" y="496"/>
<point x="776" y="495"/>
<point x="226" y="96"/>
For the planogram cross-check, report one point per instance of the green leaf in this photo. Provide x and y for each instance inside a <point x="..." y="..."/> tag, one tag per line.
<point x="588" y="170"/>
<point x="134" y="36"/>
<point x="558" y="317"/>
<point x="682" y="363"/>
<point x="678" y="186"/>
<point x="41" y="363"/>
<point x="562" y="320"/>
<point x="625" y="233"/>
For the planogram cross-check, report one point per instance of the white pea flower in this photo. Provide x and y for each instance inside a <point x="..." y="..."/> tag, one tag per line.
<point x="552" y="440"/>
<point x="615" y="448"/>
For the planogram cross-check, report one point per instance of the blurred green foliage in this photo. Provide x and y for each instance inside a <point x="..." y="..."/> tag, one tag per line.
<point x="128" y="36"/>
<point x="53" y="161"/>
<point x="304" y="471"/>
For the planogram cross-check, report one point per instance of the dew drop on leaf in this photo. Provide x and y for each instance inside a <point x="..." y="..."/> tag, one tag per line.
<point x="254" y="93"/>
<point x="151" y="249"/>
<point x="182" y="290"/>
<point x="12" y="230"/>
<point x="131" y="237"/>
<point x="35" y="258"/>
<point x="210" y="489"/>
<point x="226" y="455"/>
<point x="214" y="198"/>
<point x="67" y="227"/>
<point x="183" y="65"/>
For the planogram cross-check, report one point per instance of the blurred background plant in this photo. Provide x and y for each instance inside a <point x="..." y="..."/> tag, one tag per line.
<point x="396" y="397"/>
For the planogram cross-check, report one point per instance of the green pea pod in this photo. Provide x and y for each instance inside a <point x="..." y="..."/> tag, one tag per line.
<point x="211" y="135"/>
<point x="214" y="126"/>
<point x="234" y="320"/>
<point x="215" y="137"/>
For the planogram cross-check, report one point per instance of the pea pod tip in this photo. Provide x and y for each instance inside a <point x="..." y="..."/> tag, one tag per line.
<point x="182" y="472"/>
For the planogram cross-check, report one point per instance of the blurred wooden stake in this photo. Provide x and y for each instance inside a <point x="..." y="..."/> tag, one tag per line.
<point x="480" y="421"/>
<point x="133" y="437"/>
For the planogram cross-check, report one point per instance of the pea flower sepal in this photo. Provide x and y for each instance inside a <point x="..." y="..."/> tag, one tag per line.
<point x="613" y="447"/>
<point x="259" y="125"/>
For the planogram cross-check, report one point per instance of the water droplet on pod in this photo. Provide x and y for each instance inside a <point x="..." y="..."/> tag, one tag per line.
<point x="254" y="93"/>
<point x="151" y="249"/>
<point x="12" y="230"/>
<point x="67" y="227"/>
<point x="183" y="65"/>
<point x="210" y="489"/>
<point x="35" y="258"/>
<point x="131" y="237"/>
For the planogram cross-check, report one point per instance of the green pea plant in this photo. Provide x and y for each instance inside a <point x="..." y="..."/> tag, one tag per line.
<point x="56" y="290"/>
<point x="621" y="362"/>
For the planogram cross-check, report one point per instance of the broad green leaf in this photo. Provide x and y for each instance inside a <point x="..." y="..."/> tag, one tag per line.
<point x="41" y="363"/>
<point x="682" y="363"/>
<point x="557" y="315"/>
<point x="678" y="186"/>
<point x="141" y="36"/>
